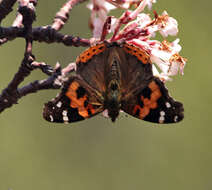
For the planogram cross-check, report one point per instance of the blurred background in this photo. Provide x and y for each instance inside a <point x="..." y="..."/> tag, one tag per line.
<point x="97" y="154"/>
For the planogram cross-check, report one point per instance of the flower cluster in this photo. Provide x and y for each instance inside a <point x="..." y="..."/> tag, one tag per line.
<point x="138" y="28"/>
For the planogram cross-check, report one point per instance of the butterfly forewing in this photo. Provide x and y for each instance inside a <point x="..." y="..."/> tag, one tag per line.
<point x="91" y="66"/>
<point x="136" y="69"/>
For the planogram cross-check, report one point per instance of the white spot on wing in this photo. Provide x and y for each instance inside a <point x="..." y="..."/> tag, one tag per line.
<point x="162" y="113"/>
<point x="161" y="119"/>
<point x="59" y="104"/>
<point x="51" y="118"/>
<point x="168" y="105"/>
<point x="64" y="112"/>
<point x="176" y="118"/>
<point x="65" y="117"/>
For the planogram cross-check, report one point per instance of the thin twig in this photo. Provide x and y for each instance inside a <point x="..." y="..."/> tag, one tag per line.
<point x="63" y="15"/>
<point x="55" y="81"/>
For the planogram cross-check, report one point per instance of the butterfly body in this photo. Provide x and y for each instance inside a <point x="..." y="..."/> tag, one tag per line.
<point x="113" y="85"/>
<point x="114" y="77"/>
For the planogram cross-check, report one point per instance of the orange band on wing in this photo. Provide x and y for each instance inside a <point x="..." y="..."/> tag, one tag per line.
<point x="139" y="53"/>
<point x="79" y="102"/>
<point x="148" y="103"/>
<point x="90" y="52"/>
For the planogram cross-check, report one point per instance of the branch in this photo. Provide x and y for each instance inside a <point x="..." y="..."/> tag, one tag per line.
<point x="54" y="81"/>
<point x="42" y="34"/>
<point x="22" y="28"/>
<point x="63" y="15"/>
<point x="6" y="8"/>
<point x="10" y="94"/>
<point x="10" y="97"/>
<point x="16" y="24"/>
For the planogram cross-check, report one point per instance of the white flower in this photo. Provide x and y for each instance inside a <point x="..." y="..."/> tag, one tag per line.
<point x="103" y="4"/>
<point x="98" y="26"/>
<point x="141" y="21"/>
<point x="126" y="4"/>
<point x="168" y="25"/>
<point x="139" y="29"/>
<point x="167" y="58"/>
<point x="99" y="10"/>
<point x="164" y="55"/>
<point x="149" y="3"/>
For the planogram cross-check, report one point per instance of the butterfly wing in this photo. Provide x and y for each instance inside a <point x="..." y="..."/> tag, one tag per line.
<point x="77" y="101"/>
<point x="136" y="68"/>
<point x="154" y="104"/>
<point x="91" y="66"/>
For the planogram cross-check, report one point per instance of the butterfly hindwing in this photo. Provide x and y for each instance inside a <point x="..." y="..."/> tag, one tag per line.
<point x="154" y="104"/>
<point x="75" y="103"/>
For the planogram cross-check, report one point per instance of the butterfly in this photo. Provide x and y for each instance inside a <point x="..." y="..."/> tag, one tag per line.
<point x="114" y="76"/>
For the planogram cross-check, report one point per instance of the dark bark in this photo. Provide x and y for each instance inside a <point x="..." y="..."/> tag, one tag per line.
<point x="22" y="28"/>
<point x="6" y="8"/>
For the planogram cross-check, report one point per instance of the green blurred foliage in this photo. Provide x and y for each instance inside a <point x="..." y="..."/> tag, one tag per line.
<point x="97" y="154"/>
